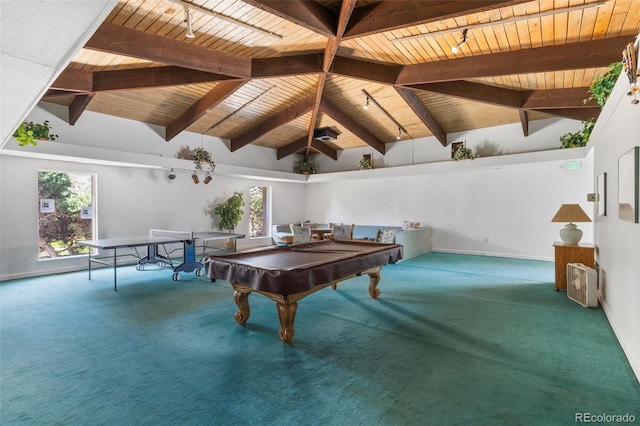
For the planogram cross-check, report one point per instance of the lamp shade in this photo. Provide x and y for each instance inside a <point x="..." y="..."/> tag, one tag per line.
<point x="570" y="234"/>
<point x="571" y="213"/>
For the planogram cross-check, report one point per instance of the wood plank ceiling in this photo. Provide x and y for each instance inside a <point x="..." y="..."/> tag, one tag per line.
<point x="272" y="72"/>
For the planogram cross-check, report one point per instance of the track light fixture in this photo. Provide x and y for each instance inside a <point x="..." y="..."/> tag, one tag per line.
<point x="455" y="49"/>
<point x="187" y="19"/>
<point x="399" y="134"/>
<point x="172" y="175"/>
<point x="195" y="178"/>
<point x="207" y="179"/>
<point x="366" y="104"/>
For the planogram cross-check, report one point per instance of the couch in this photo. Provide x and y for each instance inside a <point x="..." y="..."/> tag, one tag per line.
<point x="415" y="241"/>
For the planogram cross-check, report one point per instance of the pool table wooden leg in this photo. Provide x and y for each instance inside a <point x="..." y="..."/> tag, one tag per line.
<point x="374" y="279"/>
<point x="287" y="314"/>
<point x="242" y="300"/>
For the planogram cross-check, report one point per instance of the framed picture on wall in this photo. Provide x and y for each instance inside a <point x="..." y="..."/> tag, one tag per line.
<point x="628" y="185"/>
<point x="601" y="200"/>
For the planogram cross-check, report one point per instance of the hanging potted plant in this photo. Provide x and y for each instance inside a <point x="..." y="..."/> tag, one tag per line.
<point x="202" y="157"/>
<point x="28" y="132"/>
<point x="230" y="212"/>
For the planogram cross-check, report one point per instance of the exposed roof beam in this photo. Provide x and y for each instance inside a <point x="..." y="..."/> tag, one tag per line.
<point x="197" y="110"/>
<point x="286" y="65"/>
<point x="353" y="126"/>
<point x="475" y="91"/>
<point x="142" y="78"/>
<point x="121" y="40"/>
<point x="581" y="114"/>
<point x="363" y="70"/>
<point x="558" y="98"/>
<point x="586" y="54"/>
<point x="390" y="15"/>
<point x="423" y="114"/>
<point x="308" y="14"/>
<point x="329" y="55"/>
<point x="524" y="121"/>
<point x="74" y="80"/>
<point x="283" y="117"/>
<point x="292" y="148"/>
<point x="530" y="100"/>
<point x="324" y="149"/>
<point x="77" y="107"/>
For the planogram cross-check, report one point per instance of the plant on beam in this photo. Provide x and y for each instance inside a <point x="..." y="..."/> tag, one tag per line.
<point x="28" y="132"/>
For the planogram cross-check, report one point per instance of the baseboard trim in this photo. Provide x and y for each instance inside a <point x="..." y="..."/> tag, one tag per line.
<point x="626" y="348"/>
<point x="494" y="254"/>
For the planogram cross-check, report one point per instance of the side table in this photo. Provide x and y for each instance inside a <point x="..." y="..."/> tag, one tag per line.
<point x="571" y="253"/>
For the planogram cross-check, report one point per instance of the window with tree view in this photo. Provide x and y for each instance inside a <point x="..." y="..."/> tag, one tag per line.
<point x="65" y="213"/>
<point x="258" y="211"/>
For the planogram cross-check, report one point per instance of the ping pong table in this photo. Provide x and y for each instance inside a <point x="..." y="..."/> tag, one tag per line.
<point x="187" y="243"/>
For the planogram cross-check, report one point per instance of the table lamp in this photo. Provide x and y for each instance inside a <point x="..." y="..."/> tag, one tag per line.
<point x="570" y="234"/>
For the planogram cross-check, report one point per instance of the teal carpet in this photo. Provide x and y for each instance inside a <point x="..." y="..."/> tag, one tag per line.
<point x="452" y="340"/>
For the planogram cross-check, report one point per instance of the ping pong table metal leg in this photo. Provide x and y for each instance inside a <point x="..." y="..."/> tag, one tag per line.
<point x="115" y="269"/>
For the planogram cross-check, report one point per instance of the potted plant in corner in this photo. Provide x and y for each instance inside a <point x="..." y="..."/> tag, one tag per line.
<point x="230" y="213"/>
<point x="365" y="163"/>
<point x="305" y="167"/>
<point x="28" y="132"/>
<point x="463" y="153"/>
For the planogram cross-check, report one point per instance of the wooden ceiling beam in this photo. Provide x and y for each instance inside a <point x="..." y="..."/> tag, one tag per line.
<point x="353" y="126"/>
<point x="125" y="41"/>
<point x="308" y="14"/>
<point x="73" y="80"/>
<point x="581" y="114"/>
<point x="283" y="117"/>
<point x="363" y="70"/>
<point x="291" y="148"/>
<point x="77" y="107"/>
<point x="346" y="9"/>
<point x="391" y="15"/>
<point x="585" y="54"/>
<point x="423" y="114"/>
<point x="476" y="92"/>
<point x="558" y="98"/>
<point x="215" y="96"/>
<point x="142" y="78"/>
<point x="322" y="148"/>
<point x="524" y="121"/>
<point x="286" y="65"/>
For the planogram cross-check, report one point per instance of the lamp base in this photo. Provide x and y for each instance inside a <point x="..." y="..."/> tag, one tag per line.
<point x="570" y="234"/>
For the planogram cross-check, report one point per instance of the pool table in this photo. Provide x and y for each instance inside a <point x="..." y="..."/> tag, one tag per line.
<point x="286" y="274"/>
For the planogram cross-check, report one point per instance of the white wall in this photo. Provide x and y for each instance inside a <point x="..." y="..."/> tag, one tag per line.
<point x="618" y="241"/>
<point x="465" y="203"/>
<point x="492" y="141"/>
<point x="37" y="41"/>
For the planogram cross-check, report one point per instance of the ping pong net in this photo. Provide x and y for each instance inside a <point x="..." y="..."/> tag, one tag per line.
<point x="177" y="235"/>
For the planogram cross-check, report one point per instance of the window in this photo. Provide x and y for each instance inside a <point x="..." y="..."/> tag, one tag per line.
<point x="65" y="213"/>
<point x="259" y="211"/>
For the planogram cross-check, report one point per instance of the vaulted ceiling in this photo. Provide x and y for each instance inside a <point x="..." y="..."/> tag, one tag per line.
<point x="273" y="72"/>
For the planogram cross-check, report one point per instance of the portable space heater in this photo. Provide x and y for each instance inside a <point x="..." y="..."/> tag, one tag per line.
<point x="582" y="285"/>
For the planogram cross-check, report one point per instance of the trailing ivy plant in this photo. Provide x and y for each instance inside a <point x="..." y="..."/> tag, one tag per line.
<point x="579" y="138"/>
<point x="28" y="132"/>
<point x="602" y="84"/>
<point x="200" y="157"/>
